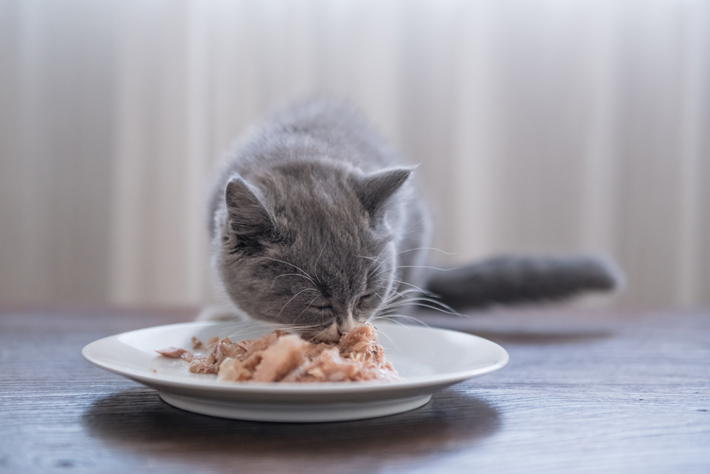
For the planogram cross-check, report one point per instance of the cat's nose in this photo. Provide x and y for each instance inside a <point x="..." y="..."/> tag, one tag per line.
<point x="346" y="323"/>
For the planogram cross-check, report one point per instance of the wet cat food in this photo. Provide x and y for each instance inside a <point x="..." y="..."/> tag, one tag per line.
<point x="283" y="357"/>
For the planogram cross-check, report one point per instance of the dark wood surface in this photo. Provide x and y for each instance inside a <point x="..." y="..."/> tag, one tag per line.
<point x="585" y="391"/>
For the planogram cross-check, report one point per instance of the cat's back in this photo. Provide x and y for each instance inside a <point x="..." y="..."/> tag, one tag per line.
<point x="316" y="129"/>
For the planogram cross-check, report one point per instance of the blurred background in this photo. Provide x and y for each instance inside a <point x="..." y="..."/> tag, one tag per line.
<point x="541" y="126"/>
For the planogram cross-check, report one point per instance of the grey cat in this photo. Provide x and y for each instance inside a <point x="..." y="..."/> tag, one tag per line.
<point x="316" y="225"/>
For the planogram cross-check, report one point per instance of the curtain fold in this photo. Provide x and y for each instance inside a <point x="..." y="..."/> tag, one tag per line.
<point x="540" y="126"/>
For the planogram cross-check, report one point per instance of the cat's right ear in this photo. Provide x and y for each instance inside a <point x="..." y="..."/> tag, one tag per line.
<point x="247" y="216"/>
<point x="375" y="190"/>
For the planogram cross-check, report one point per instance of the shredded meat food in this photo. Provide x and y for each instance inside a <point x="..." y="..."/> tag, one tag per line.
<point x="176" y="353"/>
<point x="282" y="357"/>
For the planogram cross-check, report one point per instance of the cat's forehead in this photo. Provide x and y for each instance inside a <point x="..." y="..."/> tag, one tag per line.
<point x="313" y="195"/>
<point x="317" y="206"/>
<point x="328" y="235"/>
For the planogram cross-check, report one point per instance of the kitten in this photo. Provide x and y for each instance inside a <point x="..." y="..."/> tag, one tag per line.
<point x="315" y="224"/>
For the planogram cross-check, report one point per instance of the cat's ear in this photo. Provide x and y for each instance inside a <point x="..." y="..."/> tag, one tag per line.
<point x="374" y="190"/>
<point x="248" y="217"/>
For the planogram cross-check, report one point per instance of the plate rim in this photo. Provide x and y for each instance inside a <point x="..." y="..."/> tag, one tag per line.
<point x="411" y="383"/>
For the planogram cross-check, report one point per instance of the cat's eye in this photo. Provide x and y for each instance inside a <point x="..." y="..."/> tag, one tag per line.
<point x="325" y="307"/>
<point x="366" y="298"/>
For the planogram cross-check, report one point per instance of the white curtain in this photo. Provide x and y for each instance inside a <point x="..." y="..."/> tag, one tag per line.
<point x="540" y="126"/>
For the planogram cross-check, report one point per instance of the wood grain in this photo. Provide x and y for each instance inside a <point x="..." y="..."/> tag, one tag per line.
<point x="584" y="392"/>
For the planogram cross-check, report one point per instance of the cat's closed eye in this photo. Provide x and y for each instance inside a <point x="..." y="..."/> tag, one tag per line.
<point x="366" y="299"/>
<point x="326" y="308"/>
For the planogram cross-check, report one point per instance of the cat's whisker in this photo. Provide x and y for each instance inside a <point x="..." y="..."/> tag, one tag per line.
<point x="429" y="267"/>
<point x="419" y="301"/>
<point x="392" y="320"/>
<point x="383" y="333"/>
<point x="414" y="250"/>
<point x="232" y="328"/>
<point x="302" y="327"/>
<point x="320" y="254"/>
<point x="377" y="260"/>
<point x="404" y="316"/>
<point x="292" y="298"/>
<point x="414" y="287"/>
<point x="291" y="264"/>
<point x="392" y="298"/>
<point x="427" y="248"/>
<point x="299" y="329"/>
<point x="399" y="297"/>
<point x="258" y="331"/>
<point x="428" y="300"/>
<point x="426" y="306"/>
<point x="395" y="255"/>
<point x="306" y="308"/>
<point x="410" y="290"/>
<point x="418" y="298"/>
<point x="246" y="333"/>
<point x="291" y="274"/>
<point x="415" y="293"/>
<point x="380" y="297"/>
<point x="317" y="336"/>
<point x="396" y="295"/>
<point x="425" y="216"/>
<point x="382" y="271"/>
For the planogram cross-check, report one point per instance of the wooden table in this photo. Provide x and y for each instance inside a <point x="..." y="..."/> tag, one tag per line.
<point x="584" y="391"/>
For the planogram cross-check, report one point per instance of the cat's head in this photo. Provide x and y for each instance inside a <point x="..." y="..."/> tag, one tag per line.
<point x="310" y="245"/>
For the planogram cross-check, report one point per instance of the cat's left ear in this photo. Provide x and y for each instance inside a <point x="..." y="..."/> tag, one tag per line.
<point x="248" y="216"/>
<point x="375" y="190"/>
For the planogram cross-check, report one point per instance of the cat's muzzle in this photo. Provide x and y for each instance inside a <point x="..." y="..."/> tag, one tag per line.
<point x="333" y="332"/>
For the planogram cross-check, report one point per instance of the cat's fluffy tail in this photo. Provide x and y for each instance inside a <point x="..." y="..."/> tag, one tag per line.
<point x="517" y="279"/>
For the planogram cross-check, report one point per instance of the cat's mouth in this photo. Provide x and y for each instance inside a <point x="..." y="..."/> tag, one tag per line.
<point x="331" y="333"/>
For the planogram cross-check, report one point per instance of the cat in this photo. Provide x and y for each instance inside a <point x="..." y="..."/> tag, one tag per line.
<point x="316" y="225"/>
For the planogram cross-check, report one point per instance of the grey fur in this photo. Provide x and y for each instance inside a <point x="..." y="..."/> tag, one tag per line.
<point x="312" y="212"/>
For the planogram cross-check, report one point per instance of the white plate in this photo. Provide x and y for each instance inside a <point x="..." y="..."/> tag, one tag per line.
<point x="428" y="359"/>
